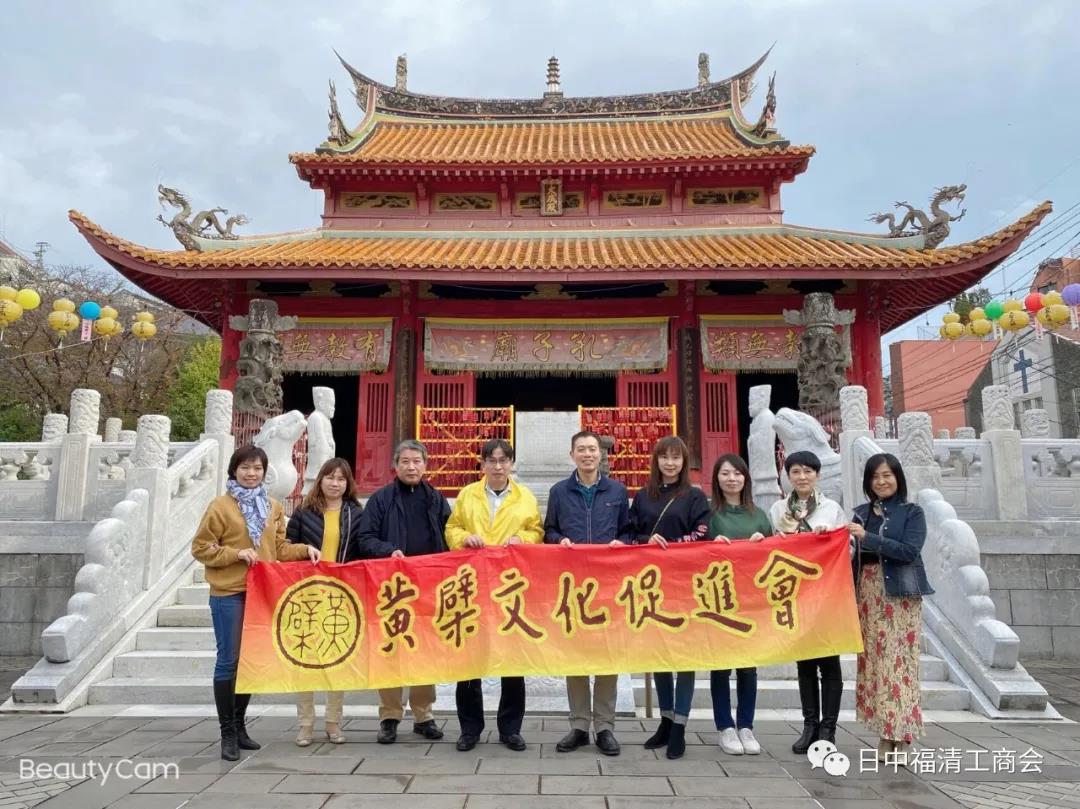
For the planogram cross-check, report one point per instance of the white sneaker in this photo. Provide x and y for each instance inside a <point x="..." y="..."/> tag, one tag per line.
<point x="749" y="743"/>
<point x="729" y="742"/>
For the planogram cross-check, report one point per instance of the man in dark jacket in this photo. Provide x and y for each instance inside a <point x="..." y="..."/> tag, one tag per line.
<point x="406" y="518"/>
<point x="588" y="508"/>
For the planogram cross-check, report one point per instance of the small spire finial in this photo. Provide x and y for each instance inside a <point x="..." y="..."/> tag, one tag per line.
<point x="702" y="69"/>
<point x="553" y="86"/>
<point x="401" y="73"/>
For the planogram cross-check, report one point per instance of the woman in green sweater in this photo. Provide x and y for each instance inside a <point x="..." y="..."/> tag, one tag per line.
<point x="735" y="517"/>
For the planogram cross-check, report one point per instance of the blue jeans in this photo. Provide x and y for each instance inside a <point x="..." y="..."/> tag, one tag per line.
<point x="745" y="691"/>
<point x="227" y="613"/>
<point x="674" y="695"/>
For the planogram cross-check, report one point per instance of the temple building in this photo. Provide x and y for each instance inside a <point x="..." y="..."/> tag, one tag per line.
<point x="548" y="253"/>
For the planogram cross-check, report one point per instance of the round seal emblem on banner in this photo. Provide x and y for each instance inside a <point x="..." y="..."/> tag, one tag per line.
<point x="318" y="623"/>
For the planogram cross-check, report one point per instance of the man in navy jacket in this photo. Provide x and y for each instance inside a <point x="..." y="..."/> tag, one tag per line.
<point x="588" y="508"/>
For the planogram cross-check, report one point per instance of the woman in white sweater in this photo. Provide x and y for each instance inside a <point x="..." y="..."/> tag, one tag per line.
<point x="808" y="510"/>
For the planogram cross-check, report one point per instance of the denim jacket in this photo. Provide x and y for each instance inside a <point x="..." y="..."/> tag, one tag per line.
<point x="899" y="546"/>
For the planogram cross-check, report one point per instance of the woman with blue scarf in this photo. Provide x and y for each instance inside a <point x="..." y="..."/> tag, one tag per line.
<point x="239" y="528"/>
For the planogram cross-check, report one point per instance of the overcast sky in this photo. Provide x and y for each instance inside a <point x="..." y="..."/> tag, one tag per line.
<point x="104" y="100"/>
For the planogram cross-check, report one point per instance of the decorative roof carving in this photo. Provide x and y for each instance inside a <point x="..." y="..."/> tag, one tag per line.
<point x="339" y="133"/>
<point x="189" y="228"/>
<point x="707" y="97"/>
<point x="766" y="124"/>
<point x="916" y="223"/>
<point x="702" y="69"/>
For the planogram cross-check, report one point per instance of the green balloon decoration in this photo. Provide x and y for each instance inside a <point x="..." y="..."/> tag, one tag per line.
<point x="994" y="310"/>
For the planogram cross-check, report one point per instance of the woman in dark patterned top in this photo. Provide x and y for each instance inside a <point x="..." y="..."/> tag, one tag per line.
<point x="669" y="509"/>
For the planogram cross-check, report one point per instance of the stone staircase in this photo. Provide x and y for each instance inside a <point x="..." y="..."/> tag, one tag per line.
<point x="172" y="664"/>
<point x="778" y="687"/>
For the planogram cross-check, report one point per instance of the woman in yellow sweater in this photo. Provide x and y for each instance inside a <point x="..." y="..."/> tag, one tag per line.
<point x="328" y="519"/>
<point x="239" y="528"/>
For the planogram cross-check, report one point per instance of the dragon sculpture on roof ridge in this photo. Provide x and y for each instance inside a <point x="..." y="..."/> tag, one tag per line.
<point x="916" y="223"/>
<point x="188" y="228"/>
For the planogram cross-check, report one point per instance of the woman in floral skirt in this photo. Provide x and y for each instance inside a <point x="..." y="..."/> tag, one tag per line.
<point x="890" y="582"/>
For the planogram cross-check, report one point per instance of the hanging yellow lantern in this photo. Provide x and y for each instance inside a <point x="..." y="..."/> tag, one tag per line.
<point x="104" y="326"/>
<point x="941" y="331"/>
<point x="1043" y="316"/>
<point x="1057" y="314"/>
<point x="1052" y="299"/>
<point x="144" y="317"/>
<point x="63" y="322"/>
<point x="978" y="313"/>
<point x="28" y="299"/>
<point x="63" y="305"/>
<point x="1014" y="319"/>
<point x="108" y="311"/>
<point x="1013" y="305"/>
<point x="953" y="331"/>
<point x="950" y="317"/>
<point x="143" y="329"/>
<point x="10" y="311"/>
<point x="981" y="327"/>
<point x="8" y="293"/>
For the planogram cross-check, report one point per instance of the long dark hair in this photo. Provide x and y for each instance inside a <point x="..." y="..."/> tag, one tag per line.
<point x="893" y="463"/>
<point x="665" y="445"/>
<point x="746" y="500"/>
<point x="315" y="500"/>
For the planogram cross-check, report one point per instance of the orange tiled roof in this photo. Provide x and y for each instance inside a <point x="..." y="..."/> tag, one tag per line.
<point x="550" y="142"/>
<point x="568" y="252"/>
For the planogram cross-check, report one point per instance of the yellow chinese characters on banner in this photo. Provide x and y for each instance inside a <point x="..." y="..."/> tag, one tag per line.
<point x="525" y="610"/>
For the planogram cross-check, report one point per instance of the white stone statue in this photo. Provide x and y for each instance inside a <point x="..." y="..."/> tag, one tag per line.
<point x="54" y="427"/>
<point x="320" y="435"/>
<point x="276" y="438"/>
<point x="800" y="431"/>
<point x="761" y="449"/>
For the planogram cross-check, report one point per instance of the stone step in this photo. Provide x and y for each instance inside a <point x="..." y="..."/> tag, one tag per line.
<point x="193" y="594"/>
<point x="936" y="696"/>
<point x="175" y="638"/>
<point x="931" y="669"/>
<point x="184" y="615"/>
<point x="188" y="691"/>
<point x="152" y="664"/>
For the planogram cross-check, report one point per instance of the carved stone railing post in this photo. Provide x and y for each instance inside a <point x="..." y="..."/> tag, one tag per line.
<point x="74" y="466"/>
<point x="916" y="435"/>
<point x="54" y="427"/>
<point x="822" y="352"/>
<point x="943" y="434"/>
<point x="881" y="429"/>
<point x="1006" y="453"/>
<point x="217" y="425"/>
<point x="854" y="424"/>
<point x="149" y="460"/>
<point x="1035" y="423"/>
<point x="127" y="436"/>
<point x="966" y="433"/>
<point x="113" y="427"/>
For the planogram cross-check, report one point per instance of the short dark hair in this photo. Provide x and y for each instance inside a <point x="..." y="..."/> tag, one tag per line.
<point x="583" y="434"/>
<point x="248" y="452"/>
<point x="493" y="444"/>
<point x="803" y="457"/>
<point x="872" y="464"/>
<point x="746" y="500"/>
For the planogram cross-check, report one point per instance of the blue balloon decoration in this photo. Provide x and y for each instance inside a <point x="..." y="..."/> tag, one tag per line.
<point x="89" y="311"/>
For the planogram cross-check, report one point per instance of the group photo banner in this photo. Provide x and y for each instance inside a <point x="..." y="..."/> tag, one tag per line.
<point x="547" y="610"/>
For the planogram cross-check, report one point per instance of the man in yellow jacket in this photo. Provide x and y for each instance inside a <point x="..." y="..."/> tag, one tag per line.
<point x="493" y="511"/>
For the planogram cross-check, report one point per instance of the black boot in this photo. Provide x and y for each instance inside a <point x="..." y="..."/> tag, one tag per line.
<point x="243" y="741"/>
<point x="811" y="706"/>
<point x="660" y="738"/>
<point x="676" y="745"/>
<point x="225" y="700"/>
<point x="831" y="693"/>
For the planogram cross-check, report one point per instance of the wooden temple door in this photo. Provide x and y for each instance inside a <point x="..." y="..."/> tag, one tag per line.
<point x="374" y="431"/>
<point x="446" y="390"/>
<point x="645" y="390"/>
<point x="719" y="419"/>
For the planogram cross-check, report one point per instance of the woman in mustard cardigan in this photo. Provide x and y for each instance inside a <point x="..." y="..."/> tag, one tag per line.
<point x="239" y="528"/>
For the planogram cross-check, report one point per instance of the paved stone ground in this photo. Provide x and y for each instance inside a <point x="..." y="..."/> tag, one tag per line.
<point x="417" y="773"/>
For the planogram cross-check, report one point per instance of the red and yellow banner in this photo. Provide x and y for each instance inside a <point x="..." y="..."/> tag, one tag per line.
<point x="547" y="610"/>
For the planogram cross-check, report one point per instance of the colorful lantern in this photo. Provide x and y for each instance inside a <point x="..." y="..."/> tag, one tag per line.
<point x="62" y="321"/>
<point x="953" y="331"/>
<point x="941" y="331"/>
<point x="1033" y="302"/>
<point x="994" y="310"/>
<point x="1052" y="298"/>
<point x="1014" y="319"/>
<point x="108" y="311"/>
<point x="144" y="317"/>
<point x="981" y="327"/>
<point x="8" y="293"/>
<point x="1071" y="295"/>
<point x="10" y="311"/>
<point x="28" y="299"/>
<point x="89" y="311"/>
<point x="951" y="317"/>
<point x="143" y="329"/>
<point x="977" y="314"/>
<point x="63" y="305"/>
<point x="107" y="327"/>
<point x="1012" y="305"/>
<point x="1057" y="314"/>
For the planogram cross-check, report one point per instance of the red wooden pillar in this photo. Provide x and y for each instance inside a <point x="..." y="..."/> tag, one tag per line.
<point x="866" y="339"/>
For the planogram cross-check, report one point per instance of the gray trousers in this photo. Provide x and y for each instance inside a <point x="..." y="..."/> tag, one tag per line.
<point x="595" y="706"/>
